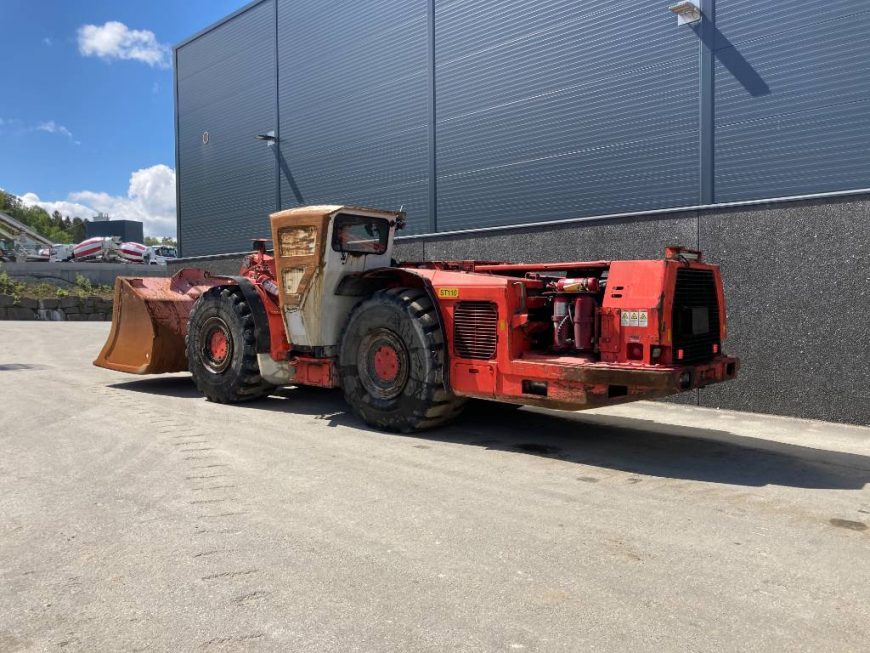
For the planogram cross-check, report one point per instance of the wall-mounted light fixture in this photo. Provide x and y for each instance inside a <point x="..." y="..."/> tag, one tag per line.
<point x="269" y="137"/>
<point x="687" y="12"/>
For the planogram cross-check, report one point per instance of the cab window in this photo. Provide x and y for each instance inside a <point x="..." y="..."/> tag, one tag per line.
<point x="358" y="234"/>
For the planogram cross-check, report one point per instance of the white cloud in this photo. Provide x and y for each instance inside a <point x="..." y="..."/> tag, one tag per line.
<point x="47" y="40"/>
<point x="71" y="209"/>
<point x="150" y="199"/>
<point x="115" y="40"/>
<point x="53" y="128"/>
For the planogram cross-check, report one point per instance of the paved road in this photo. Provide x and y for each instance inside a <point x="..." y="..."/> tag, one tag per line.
<point x="134" y="515"/>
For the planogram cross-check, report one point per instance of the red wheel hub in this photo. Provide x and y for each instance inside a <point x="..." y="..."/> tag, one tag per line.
<point x="218" y="345"/>
<point x="386" y="361"/>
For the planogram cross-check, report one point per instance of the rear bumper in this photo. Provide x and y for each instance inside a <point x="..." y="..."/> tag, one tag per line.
<point x="559" y="383"/>
<point x="723" y="368"/>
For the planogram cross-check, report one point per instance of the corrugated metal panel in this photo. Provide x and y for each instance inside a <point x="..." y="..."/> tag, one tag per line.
<point x="739" y="21"/>
<point x="353" y="94"/>
<point x="559" y="109"/>
<point x="226" y="87"/>
<point x="792" y="106"/>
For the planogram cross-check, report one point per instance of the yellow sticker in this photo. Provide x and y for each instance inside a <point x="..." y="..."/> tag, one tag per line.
<point x="448" y="293"/>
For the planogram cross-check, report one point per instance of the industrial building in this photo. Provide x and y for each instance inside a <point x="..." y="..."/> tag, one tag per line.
<point x="565" y="130"/>
<point x="127" y="230"/>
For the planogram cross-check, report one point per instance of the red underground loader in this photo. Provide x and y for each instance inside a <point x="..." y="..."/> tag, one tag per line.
<point x="409" y="343"/>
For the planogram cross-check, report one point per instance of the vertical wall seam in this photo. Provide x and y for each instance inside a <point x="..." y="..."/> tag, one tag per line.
<point x="278" y="151"/>
<point x="706" y="32"/>
<point x="177" y="159"/>
<point x="433" y="169"/>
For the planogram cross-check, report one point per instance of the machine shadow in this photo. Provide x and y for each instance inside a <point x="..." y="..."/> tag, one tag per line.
<point x="630" y="445"/>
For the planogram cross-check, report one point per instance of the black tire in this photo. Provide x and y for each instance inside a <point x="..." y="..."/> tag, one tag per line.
<point x="222" y="314"/>
<point x="397" y="332"/>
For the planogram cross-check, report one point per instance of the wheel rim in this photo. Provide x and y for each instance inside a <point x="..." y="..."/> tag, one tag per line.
<point x="217" y="345"/>
<point x="383" y="364"/>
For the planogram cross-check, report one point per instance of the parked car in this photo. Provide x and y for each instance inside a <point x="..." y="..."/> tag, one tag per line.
<point x="61" y="253"/>
<point x="161" y="254"/>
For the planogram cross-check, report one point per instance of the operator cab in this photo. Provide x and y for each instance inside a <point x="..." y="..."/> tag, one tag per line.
<point x="315" y="248"/>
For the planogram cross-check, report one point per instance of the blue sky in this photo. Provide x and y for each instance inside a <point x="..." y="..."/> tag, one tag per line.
<point x="86" y="114"/>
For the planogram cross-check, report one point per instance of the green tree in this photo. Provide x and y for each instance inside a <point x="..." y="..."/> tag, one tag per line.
<point x="54" y="227"/>
<point x="166" y="241"/>
<point x="78" y="230"/>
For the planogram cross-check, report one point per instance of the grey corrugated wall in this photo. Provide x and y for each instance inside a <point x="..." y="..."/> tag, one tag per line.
<point x="550" y="110"/>
<point x="792" y="100"/>
<point x="543" y="109"/>
<point x="353" y="92"/>
<point x="226" y="87"/>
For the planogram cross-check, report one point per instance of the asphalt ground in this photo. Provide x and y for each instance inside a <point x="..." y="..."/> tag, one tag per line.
<point x="135" y="515"/>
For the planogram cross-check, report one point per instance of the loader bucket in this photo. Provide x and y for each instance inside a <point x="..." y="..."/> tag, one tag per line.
<point x="149" y="322"/>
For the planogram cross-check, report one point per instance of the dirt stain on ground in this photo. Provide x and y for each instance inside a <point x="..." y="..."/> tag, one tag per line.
<point x="849" y="524"/>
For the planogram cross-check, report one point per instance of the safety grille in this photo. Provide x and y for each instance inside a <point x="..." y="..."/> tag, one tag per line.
<point x="696" y="316"/>
<point x="475" y="329"/>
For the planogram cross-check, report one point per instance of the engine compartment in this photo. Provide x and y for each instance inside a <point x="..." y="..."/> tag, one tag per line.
<point x="563" y="312"/>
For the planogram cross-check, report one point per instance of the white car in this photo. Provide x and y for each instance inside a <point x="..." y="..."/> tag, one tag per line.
<point x="60" y="253"/>
<point x="161" y="254"/>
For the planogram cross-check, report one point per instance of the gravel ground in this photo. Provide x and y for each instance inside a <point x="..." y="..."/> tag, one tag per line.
<point x="134" y="515"/>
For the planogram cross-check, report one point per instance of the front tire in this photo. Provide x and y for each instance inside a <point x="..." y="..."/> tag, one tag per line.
<point x="393" y="362"/>
<point x="221" y="348"/>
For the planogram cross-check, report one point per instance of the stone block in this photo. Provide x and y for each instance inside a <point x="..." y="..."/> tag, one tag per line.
<point x="51" y="314"/>
<point x="20" y="313"/>
<point x="29" y="302"/>
<point x="49" y="303"/>
<point x="68" y="302"/>
<point x="6" y="300"/>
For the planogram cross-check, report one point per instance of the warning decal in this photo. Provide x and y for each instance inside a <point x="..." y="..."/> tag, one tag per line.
<point x="634" y="318"/>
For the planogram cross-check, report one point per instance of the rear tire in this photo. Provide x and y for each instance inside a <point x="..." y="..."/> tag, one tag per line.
<point x="393" y="362"/>
<point x="221" y="348"/>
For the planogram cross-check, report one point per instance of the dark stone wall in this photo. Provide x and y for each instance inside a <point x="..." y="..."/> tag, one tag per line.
<point x="56" y="309"/>
<point x="797" y="285"/>
<point x="638" y="238"/>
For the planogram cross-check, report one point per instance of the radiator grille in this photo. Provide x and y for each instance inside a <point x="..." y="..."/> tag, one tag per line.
<point x="696" y="316"/>
<point x="475" y="329"/>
